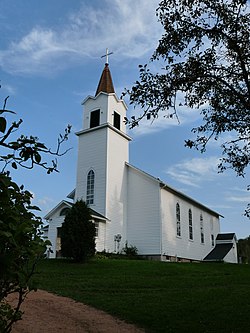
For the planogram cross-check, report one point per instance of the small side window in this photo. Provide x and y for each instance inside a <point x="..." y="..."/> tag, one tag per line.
<point x="202" y="229"/>
<point x="178" y="220"/>
<point x="190" y="220"/>
<point x="212" y="239"/>
<point x="117" y="120"/>
<point x="94" y="118"/>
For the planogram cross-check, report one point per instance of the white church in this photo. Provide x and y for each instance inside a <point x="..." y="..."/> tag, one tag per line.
<point x="128" y="204"/>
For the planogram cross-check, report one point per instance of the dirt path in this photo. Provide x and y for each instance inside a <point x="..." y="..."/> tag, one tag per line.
<point x="45" y="312"/>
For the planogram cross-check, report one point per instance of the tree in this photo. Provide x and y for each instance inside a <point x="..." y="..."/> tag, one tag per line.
<point x="21" y="245"/>
<point x="243" y="248"/>
<point x="20" y="248"/>
<point x="205" y="49"/>
<point x="26" y="151"/>
<point x="78" y="233"/>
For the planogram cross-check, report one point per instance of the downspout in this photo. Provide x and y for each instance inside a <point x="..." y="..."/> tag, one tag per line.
<point x="160" y="217"/>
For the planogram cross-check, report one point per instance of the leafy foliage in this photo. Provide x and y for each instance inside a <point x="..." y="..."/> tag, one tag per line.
<point x="243" y="247"/>
<point x="20" y="247"/>
<point x="26" y="151"/>
<point x="130" y="251"/>
<point x="21" y="244"/>
<point x="205" y="49"/>
<point x="78" y="233"/>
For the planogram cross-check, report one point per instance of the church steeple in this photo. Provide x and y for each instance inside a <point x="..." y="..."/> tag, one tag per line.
<point x="105" y="108"/>
<point x="105" y="84"/>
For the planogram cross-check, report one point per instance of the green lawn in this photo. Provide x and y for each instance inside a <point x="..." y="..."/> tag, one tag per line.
<point x="160" y="297"/>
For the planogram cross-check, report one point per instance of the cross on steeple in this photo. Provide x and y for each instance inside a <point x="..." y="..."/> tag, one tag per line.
<point x="107" y="55"/>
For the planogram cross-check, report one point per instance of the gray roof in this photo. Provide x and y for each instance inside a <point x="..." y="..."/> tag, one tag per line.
<point x="97" y="215"/>
<point x="69" y="204"/>
<point x="219" y="252"/>
<point x="227" y="236"/>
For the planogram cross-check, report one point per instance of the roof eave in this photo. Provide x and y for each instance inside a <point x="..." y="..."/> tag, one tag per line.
<point x="119" y="100"/>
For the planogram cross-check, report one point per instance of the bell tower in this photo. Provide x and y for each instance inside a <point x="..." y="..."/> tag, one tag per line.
<point x="103" y="151"/>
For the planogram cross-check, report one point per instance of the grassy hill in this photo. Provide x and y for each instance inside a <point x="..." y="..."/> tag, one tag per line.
<point x="158" y="296"/>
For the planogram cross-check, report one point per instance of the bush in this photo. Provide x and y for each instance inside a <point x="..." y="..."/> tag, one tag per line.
<point x="130" y="251"/>
<point x="78" y="233"/>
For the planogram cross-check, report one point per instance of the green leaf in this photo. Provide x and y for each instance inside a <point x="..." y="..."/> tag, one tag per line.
<point x="14" y="166"/>
<point x="33" y="207"/>
<point x="37" y="157"/>
<point x="3" y="124"/>
<point x="40" y="145"/>
<point x="5" y="234"/>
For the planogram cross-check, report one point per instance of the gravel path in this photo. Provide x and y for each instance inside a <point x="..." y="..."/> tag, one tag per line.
<point x="45" y="312"/>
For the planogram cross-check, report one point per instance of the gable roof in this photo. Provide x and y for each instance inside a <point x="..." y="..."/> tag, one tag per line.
<point x="97" y="215"/>
<point x="68" y="204"/>
<point x="105" y="83"/>
<point x="71" y="195"/>
<point x="219" y="252"/>
<point x="61" y="204"/>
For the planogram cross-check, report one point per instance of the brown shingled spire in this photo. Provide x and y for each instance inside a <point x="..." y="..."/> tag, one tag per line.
<point x="105" y="83"/>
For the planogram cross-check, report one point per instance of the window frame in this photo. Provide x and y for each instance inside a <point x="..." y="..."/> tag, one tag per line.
<point x="117" y="120"/>
<point x="95" y="116"/>
<point x="64" y="211"/>
<point x="212" y="240"/>
<point x="190" y="224"/>
<point x="90" y="188"/>
<point x="178" y="219"/>
<point x="96" y="223"/>
<point x="202" y="229"/>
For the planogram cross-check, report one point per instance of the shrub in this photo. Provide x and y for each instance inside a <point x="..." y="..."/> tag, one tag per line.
<point x="130" y="250"/>
<point x="78" y="233"/>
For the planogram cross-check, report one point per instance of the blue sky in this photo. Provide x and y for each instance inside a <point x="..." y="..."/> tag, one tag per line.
<point x="50" y="60"/>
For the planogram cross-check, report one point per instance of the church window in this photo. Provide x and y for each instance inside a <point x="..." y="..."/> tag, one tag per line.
<point x="94" y="118"/>
<point x="58" y="241"/>
<point x="64" y="211"/>
<point x="117" y="120"/>
<point x="178" y="220"/>
<point x="190" y="223"/>
<point x="202" y="229"/>
<point x="96" y="229"/>
<point x="90" y="188"/>
<point x="212" y="239"/>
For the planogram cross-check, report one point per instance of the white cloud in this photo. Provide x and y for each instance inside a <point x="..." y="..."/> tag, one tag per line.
<point x="7" y="89"/>
<point x="186" y="116"/>
<point x="192" y="172"/>
<point x="238" y="195"/>
<point x="243" y="198"/>
<point x="128" y="28"/>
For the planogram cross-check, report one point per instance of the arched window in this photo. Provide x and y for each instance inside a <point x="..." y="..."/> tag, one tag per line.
<point x="190" y="223"/>
<point x="178" y="220"/>
<point x="90" y="188"/>
<point x="64" y="211"/>
<point x="202" y="229"/>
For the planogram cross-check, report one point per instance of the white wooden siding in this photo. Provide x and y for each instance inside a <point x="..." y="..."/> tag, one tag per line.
<point x="92" y="154"/>
<point x="182" y="246"/>
<point x="54" y="223"/>
<point x="143" y="219"/>
<point x="232" y="257"/>
<point x="116" y="190"/>
<point x="100" y="240"/>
